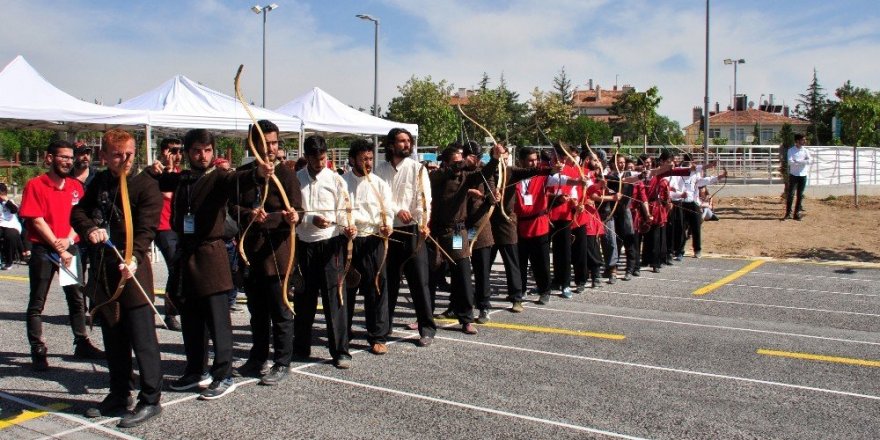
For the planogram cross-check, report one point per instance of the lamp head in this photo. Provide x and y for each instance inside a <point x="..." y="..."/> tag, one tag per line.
<point x="727" y="61"/>
<point x="272" y="6"/>
<point x="367" y="17"/>
<point x="257" y="9"/>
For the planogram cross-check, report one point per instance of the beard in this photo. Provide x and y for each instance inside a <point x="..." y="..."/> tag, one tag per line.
<point x="61" y="170"/>
<point x="82" y="164"/>
<point x="403" y="152"/>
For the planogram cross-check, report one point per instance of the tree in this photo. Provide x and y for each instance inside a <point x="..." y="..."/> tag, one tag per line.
<point x="518" y="115"/>
<point x="812" y="107"/>
<point x="424" y="102"/>
<point x="489" y="108"/>
<point x="484" y="82"/>
<point x="666" y="131"/>
<point x="860" y="116"/>
<point x="637" y="112"/>
<point x="756" y="134"/>
<point x="549" y="114"/>
<point x="562" y="86"/>
<point x="586" y="128"/>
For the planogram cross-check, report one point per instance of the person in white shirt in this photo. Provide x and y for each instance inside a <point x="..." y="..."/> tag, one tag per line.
<point x="10" y="229"/>
<point x="321" y="252"/>
<point x="798" y="166"/>
<point x="407" y="252"/>
<point x="373" y="218"/>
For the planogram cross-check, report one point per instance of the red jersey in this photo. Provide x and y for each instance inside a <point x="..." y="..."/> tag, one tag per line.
<point x="592" y="220"/>
<point x="658" y="197"/>
<point x="563" y="211"/>
<point x="531" y="207"/>
<point x="639" y="196"/>
<point x="41" y="198"/>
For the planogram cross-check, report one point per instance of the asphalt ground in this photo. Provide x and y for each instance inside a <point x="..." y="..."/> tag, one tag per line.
<point x="783" y="350"/>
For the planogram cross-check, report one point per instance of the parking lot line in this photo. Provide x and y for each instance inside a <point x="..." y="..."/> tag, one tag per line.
<point x="469" y="406"/>
<point x="543" y="329"/>
<point x="31" y="414"/>
<point x="739" y="303"/>
<point x="717" y="284"/>
<point x="820" y="358"/>
<point x="787" y="289"/>
<point x="85" y="424"/>
<point x="13" y="278"/>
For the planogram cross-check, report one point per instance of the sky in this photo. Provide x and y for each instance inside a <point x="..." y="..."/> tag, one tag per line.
<point x="112" y="50"/>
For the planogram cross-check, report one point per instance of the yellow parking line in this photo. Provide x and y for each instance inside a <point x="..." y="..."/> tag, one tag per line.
<point x="820" y="357"/>
<point x="30" y="414"/>
<point x="542" y="329"/>
<point x="710" y="287"/>
<point x="13" y="278"/>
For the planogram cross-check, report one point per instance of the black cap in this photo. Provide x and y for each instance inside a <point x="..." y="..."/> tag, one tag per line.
<point x="82" y="149"/>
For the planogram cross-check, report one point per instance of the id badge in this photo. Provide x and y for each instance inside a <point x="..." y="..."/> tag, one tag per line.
<point x="527" y="200"/>
<point x="189" y="224"/>
<point x="457" y="242"/>
<point x="472" y="232"/>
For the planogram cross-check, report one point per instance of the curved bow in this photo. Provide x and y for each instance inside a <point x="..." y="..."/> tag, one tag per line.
<point x="282" y="192"/>
<point x="502" y="165"/>
<point x="343" y="189"/>
<point x="580" y="170"/>
<point x="619" y="182"/>
<point x="384" y="215"/>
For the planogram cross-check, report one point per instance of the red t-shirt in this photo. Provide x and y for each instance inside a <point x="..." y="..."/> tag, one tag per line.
<point x="531" y="208"/>
<point x="592" y="220"/>
<point x="41" y="198"/>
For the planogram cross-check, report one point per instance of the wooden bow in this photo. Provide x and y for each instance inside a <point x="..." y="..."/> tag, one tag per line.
<point x="343" y="190"/>
<point x="384" y="215"/>
<point x="580" y="170"/>
<point x="502" y="165"/>
<point x="619" y="182"/>
<point x="282" y="192"/>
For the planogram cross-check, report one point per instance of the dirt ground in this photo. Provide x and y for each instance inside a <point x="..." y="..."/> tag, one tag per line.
<point x="832" y="229"/>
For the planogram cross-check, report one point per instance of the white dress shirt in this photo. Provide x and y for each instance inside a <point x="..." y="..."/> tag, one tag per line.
<point x="324" y="196"/>
<point x="798" y="161"/>
<point x="404" y="183"/>
<point x="365" y="195"/>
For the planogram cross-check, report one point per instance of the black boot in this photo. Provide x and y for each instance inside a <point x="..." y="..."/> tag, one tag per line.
<point x="39" y="358"/>
<point x="84" y="349"/>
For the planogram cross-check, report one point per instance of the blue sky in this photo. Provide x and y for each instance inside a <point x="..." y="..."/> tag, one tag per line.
<point x="118" y="49"/>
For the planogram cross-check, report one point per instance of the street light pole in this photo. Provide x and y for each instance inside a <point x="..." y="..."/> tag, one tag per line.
<point x="735" y="63"/>
<point x="265" y="11"/>
<point x="706" y="95"/>
<point x="375" y="73"/>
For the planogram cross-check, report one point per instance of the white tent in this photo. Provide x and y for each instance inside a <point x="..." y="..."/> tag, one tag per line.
<point x="27" y="100"/>
<point x="182" y="103"/>
<point x="322" y="112"/>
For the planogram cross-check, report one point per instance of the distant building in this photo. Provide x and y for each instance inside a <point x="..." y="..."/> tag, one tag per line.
<point x="596" y="102"/>
<point x="768" y="118"/>
<point x="461" y="97"/>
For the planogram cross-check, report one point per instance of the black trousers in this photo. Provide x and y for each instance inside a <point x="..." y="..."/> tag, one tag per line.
<point x="11" y="243"/>
<point x="438" y="266"/>
<point x="632" y="249"/>
<point x="136" y="331"/>
<point x="675" y="228"/>
<point x="201" y="317"/>
<point x="321" y="263"/>
<point x="609" y="245"/>
<point x="594" y="260"/>
<point x="654" y="247"/>
<point x="270" y="319"/>
<point x="406" y="257"/>
<point x="560" y="233"/>
<point x="537" y="251"/>
<point x="692" y="218"/>
<point x="166" y="241"/>
<point x="796" y="186"/>
<point x="461" y="298"/>
<point x="41" y="271"/>
<point x="510" y="259"/>
<point x="579" y="255"/>
<point x="366" y="257"/>
<point x="481" y="262"/>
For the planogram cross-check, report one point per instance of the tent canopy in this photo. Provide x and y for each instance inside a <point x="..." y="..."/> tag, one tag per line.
<point x="27" y="100"/>
<point x="182" y="103"/>
<point x="320" y="111"/>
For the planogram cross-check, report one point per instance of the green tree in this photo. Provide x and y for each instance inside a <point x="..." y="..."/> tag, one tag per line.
<point x="426" y="103"/>
<point x="813" y="107"/>
<point x="518" y="115"/>
<point x="756" y="134"/>
<point x="860" y="116"/>
<point x="666" y="131"/>
<point x="586" y="128"/>
<point x="549" y="114"/>
<point x="562" y="87"/>
<point x="489" y="108"/>
<point x="637" y="112"/>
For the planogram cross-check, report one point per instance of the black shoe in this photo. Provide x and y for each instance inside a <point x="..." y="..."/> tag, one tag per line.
<point x="637" y="273"/>
<point x="595" y="283"/>
<point x="111" y="406"/>
<point x="218" y="389"/>
<point x="714" y="218"/>
<point x="543" y="299"/>
<point x="39" y="358"/>
<point x="785" y="217"/>
<point x="172" y="323"/>
<point x="84" y="349"/>
<point x="276" y="374"/>
<point x="425" y="341"/>
<point x="627" y="276"/>
<point x="655" y="269"/>
<point x="342" y="363"/>
<point x="191" y="381"/>
<point x="483" y="318"/>
<point x="251" y="369"/>
<point x="798" y="217"/>
<point x="447" y="314"/>
<point x="612" y="279"/>
<point x="142" y="412"/>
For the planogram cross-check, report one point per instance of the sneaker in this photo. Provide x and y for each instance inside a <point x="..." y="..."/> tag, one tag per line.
<point x="6" y="267"/>
<point x="447" y="314"/>
<point x="84" y="349"/>
<point x="469" y="328"/>
<point x="578" y="289"/>
<point x="379" y="348"/>
<point x="172" y="323"/>
<point x="697" y="254"/>
<point x="517" y="307"/>
<point x="627" y="276"/>
<point x="566" y="293"/>
<point x="785" y="217"/>
<point x="342" y="363"/>
<point x="714" y="218"/>
<point x="188" y="381"/>
<point x="425" y="341"/>
<point x="484" y="317"/>
<point x="218" y="389"/>
<point x="39" y="358"/>
<point x="678" y="257"/>
<point x="655" y="269"/>
<point x="276" y="374"/>
<point x="612" y="279"/>
<point x="595" y="283"/>
<point x="111" y="406"/>
<point x="251" y="369"/>
<point x="637" y="273"/>
<point x="543" y="299"/>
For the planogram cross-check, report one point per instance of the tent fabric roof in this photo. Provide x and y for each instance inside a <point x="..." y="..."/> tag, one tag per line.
<point x="183" y="103"/>
<point x="26" y="98"/>
<point x="320" y="111"/>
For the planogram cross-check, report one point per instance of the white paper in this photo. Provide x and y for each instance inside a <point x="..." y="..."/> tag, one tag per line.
<point x="64" y="278"/>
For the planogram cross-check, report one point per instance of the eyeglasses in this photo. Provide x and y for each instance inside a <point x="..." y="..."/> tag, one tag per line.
<point x="63" y="158"/>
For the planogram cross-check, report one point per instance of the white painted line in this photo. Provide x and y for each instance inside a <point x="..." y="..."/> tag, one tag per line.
<point x="471" y="407"/>
<point x="86" y="424"/>
<point x="668" y="369"/>
<point x="694" y="324"/>
<point x="789" y="289"/>
<point x="775" y="306"/>
<point x="780" y="274"/>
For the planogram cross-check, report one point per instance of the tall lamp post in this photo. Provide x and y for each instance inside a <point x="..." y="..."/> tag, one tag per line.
<point x="706" y="95"/>
<point x="735" y="64"/>
<point x="264" y="10"/>
<point x="375" y="73"/>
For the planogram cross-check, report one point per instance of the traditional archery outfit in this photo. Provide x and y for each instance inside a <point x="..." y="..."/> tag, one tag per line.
<point x="201" y="272"/>
<point x="654" y="249"/>
<point x="368" y="249"/>
<point x="407" y="250"/>
<point x="641" y="225"/>
<point x="594" y="230"/>
<point x="167" y="241"/>
<point x="561" y="223"/>
<point x="321" y="254"/>
<point x="267" y="247"/>
<point x="582" y="219"/>
<point x="127" y="322"/>
<point x="449" y="226"/>
<point x="478" y="213"/>
<point x="623" y="221"/>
